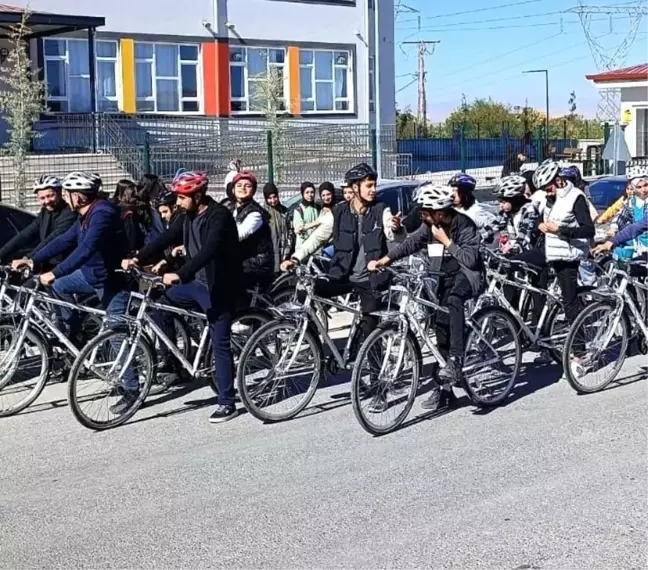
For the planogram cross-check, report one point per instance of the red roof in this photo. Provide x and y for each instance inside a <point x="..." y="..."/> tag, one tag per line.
<point x="634" y="73"/>
<point x="12" y="9"/>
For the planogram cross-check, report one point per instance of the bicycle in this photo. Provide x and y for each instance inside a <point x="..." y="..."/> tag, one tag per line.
<point x="600" y="336"/>
<point x="396" y="345"/>
<point x="293" y="344"/>
<point x="129" y="345"/>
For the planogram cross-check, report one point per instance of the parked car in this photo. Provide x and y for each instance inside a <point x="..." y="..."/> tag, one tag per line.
<point x="605" y="191"/>
<point x="12" y="221"/>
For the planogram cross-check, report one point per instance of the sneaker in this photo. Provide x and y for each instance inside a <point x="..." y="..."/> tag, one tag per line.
<point x="378" y="404"/>
<point x="223" y="414"/>
<point x="451" y="373"/>
<point x="432" y="403"/>
<point x="125" y="403"/>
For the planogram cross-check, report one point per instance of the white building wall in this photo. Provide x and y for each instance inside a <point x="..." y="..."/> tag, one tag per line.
<point x="633" y="99"/>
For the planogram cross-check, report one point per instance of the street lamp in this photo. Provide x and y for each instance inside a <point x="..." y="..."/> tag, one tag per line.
<point x="546" y="72"/>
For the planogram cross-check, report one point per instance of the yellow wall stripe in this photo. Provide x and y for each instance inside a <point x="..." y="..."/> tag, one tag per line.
<point x="294" y="95"/>
<point x="127" y="49"/>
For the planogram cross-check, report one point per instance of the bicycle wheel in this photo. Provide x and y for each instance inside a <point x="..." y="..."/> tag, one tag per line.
<point x="382" y="391"/>
<point x="243" y="327"/>
<point x="278" y="372"/>
<point x="492" y="357"/>
<point x="556" y="328"/>
<point x="284" y="296"/>
<point x="96" y="383"/>
<point x="25" y="369"/>
<point x="593" y="347"/>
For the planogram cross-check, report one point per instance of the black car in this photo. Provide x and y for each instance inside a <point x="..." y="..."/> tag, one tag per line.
<point x="12" y="221"/>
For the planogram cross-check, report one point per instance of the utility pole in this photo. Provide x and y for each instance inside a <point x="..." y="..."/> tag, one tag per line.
<point x="425" y="47"/>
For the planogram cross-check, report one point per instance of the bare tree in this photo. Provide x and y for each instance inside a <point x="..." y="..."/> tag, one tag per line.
<point x="268" y="98"/>
<point x="21" y="102"/>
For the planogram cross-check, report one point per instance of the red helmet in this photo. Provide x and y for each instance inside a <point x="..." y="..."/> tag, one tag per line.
<point x="189" y="183"/>
<point x="245" y="176"/>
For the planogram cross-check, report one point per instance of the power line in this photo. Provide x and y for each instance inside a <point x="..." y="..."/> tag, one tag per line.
<point x="491" y="19"/>
<point x="481" y="10"/>
<point x="408" y="85"/>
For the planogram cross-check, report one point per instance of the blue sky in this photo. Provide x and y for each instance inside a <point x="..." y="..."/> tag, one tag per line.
<point x="486" y="44"/>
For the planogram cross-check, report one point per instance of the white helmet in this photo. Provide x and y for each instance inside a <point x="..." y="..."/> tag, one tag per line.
<point x="637" y="171"/>
<point x="510" y="186"/>
<point x="82" y="182"/>
<point x="433" y="197"/>
<point x="46" y="182"/>
<point x="545" y="174"/>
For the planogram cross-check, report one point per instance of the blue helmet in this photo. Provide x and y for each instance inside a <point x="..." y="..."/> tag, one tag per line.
<point x="571" y="173"/>
<point x="463" y="181"/>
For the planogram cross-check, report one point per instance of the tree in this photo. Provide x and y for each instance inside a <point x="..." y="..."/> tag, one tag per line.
<point x="21" y="102"/>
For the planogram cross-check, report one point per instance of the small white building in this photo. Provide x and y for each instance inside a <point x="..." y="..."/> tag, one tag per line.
<point x="632" y="82"/>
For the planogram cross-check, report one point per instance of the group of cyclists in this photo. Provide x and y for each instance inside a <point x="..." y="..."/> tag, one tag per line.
<point x="210" y="253"/>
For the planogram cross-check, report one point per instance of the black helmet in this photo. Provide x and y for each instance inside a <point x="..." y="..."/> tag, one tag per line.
<point x="167" y="198"/>
<point x="360" y="172"/>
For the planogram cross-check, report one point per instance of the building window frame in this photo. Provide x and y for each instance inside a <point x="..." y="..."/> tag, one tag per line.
<point x="341" y="68"/>
<point x="64" y="101"/>
<point x="187" y="105"/>
<point x="239" y="59"/>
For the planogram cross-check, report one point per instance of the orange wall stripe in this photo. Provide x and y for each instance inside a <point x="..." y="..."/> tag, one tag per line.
<point x="294" y="95"/>
<point x="127" y="50"/>
<point x="210" y="83"/>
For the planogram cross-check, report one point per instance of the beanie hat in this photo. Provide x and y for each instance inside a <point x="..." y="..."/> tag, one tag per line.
<point x="269" y="189"/>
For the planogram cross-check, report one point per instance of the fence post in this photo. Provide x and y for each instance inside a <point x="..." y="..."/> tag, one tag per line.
<point x="462" y="147"/>
<point x="564" y="129"/>
<point x="586" y="129"/>
<point x="270" y="152"/>
<point x="147" y="153"/>
<point x="374" y="149"/>
<point x="539" y="145"/>
<point x="606" y="138"/>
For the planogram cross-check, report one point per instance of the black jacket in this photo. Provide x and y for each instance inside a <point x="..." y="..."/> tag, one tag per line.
<point x="345" y="243"/>
<point x="133" y="228"/>
<point x="257" y="252"/>
<point x="464" y="248"/>
<point x="46" y="227"/>
<point x="219" y="255"/>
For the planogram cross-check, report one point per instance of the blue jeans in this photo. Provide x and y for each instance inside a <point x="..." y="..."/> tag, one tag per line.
<point x="114" y="303"/>
<point x="193" y="296"/>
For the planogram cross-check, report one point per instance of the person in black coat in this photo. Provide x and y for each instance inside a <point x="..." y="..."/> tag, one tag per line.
<point x="209" y="280"/>
<point x="54" y="219"/>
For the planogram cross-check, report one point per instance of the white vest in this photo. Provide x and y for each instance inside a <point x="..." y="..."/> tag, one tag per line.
<point x="562" y="213"/>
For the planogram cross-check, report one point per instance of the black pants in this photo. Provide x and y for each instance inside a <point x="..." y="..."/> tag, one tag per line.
<point x="453" y="294"/>
<point x="369" y="302"/>
<point x="567" y="273"/>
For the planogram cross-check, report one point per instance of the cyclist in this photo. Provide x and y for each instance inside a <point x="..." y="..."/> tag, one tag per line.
<point x="361" y="230"/>
<point x="170" y="215"/>
<point x="635" y="209"/>
<point x="255" y="235"/>
<point x="54" y="219"/>
<point x="306" y="214"/>
<point x="464" y="201"/>
<point x="165" y="204"/>
<point x="98" y="244"/>
<point x="282" y="238"/>
<point x="136" y="214"/>
<point x="150" y="188"/>
<point x="518" y="215"/>
<point x="463" y="278"/>
<point x="209" y="279"/>
<point x="567" y="227"/>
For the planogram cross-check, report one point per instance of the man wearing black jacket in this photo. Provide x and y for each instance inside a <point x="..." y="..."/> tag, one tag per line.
<point x="209" y="279"/>
<point x="463" y="276"/>
<point x="53" y="220"/>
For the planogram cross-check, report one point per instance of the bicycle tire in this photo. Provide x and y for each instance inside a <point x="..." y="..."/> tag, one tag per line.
<point x="37" y="339"/>
<point x="248" y="397"/>
<point x="549" y="332"/>
<point x="74" y="379"/>
<point x="237" y="343"/>
<point x="573" y="380"/>
<point x="357" y="384"/>
<point x="512" y="325"/>
<point x="286" y="296"/>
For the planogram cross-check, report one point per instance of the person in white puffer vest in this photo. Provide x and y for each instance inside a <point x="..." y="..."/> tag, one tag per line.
<point x="567" y="226"/>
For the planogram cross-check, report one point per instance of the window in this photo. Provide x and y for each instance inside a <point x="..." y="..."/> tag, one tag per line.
<point x="325" y="79"/>
<point x="67" y="75"/>
<point x="166" y="78"/>
<point x="642" y="132"/>
<point x="249" y="67"/>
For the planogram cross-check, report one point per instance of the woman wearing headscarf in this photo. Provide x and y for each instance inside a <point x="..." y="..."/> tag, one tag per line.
<point x="306" y="214"/>
<point x="323" y="225"/>
<point x="279" y="225"/>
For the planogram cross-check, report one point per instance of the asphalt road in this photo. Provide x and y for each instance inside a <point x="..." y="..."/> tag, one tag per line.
<point x="551" y="480"/>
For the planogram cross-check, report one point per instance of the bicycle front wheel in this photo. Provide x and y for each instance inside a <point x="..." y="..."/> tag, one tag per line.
<point x="595" y="349"/>
<point x="110" y="379"/>
<point x="492" y="357"/>
<point x="385" y="379"/>
<point x="25" y="368"/>
<point x="279" y="371"/>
